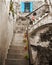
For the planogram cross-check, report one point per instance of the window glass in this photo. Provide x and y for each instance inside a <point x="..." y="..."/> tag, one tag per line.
<point x="26" y="6"/>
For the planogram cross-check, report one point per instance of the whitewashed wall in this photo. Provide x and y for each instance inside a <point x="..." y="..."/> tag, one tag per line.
<point x="6" y="28"/>
<point x="3" y="28"/>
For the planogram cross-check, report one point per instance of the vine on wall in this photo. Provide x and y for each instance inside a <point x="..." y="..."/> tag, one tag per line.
<point x="11" y="8"/>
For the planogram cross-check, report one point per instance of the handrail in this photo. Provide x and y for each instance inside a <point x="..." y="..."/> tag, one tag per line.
<point x="29" y="49"/>
<point x="38" y="9"/>
<point x="35" y="10"/>
<point x="39" y="20"/>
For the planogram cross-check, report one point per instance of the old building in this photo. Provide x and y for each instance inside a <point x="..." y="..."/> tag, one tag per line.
<point x="17" y="34"/>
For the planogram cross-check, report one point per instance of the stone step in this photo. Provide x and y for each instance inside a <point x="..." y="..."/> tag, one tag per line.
<point x="1" y="63"/>
<point x="15" y="51"/>
<point x="14" y="56"/>
<point x="17" y="62"/>
<point x="19" y="44"/>
<point x="0" y="56"/>
<point x="17" y="47"/>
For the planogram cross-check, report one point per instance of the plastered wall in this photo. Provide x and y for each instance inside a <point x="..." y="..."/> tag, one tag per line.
<point x="6" y="29"/>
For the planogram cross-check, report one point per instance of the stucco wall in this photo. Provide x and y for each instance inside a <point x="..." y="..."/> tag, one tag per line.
<point x="3" y="28"/>
<point x="6" y="29"/>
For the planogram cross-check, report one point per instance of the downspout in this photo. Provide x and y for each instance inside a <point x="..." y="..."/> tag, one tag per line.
<point x="49" y="3"/>
<point x="50" y="6"/>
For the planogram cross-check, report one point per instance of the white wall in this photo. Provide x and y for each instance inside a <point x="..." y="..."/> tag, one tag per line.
<point x="3" y="28"/>
<point x="6" y="28"/>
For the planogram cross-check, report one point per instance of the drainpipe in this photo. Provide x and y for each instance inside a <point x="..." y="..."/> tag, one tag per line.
<point x="49" y="3"/>
<point x="46" y="7"/>
<point x="50" y="6"/>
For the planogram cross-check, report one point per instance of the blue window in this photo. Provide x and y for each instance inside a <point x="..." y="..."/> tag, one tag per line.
<point x="31" y="6"/>
<point x="26" y="6"/>
<point x="22" y="6"/>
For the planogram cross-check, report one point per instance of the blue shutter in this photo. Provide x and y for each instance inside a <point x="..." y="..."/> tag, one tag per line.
<point x="22" y="6"/>
<point x="31" y="6"/>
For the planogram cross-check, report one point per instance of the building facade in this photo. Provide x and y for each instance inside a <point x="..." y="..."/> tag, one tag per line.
<point x="23" y="7"/>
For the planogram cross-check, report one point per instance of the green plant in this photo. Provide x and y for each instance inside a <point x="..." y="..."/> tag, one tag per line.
<point x="26" y="56"/>
<point x="11" y="8"/>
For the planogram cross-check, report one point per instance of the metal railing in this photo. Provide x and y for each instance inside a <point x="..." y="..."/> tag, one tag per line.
<point x="37" y="9"/>
<point x="29" y="45"/>
<point x="29" y="49"/>
<point x="39" y="19"/>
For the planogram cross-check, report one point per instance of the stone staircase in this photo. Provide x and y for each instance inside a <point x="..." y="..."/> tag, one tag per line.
<point x="16" y="52"/>
<point x="15" y="56"/>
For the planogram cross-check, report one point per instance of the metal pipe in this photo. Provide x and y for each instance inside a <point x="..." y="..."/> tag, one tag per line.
<point x="29" y="48"/>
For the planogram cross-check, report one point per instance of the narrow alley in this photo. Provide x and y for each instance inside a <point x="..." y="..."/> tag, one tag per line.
<point x="25" y="32"/>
